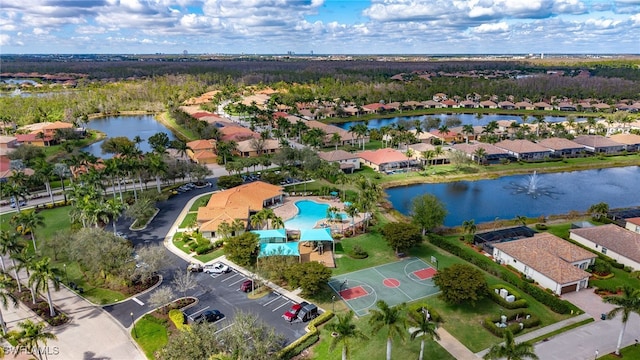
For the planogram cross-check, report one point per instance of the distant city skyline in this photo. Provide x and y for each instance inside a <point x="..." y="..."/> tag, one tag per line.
<point x="320" y="26"/>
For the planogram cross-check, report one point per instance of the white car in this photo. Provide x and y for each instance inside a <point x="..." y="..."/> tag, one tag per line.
<point x="218" y="268"/>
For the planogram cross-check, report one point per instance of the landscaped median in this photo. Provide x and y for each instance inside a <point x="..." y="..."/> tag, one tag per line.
<point x="308" y="339"/>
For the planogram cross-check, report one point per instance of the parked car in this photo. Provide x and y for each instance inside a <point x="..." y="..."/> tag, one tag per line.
<point x="21" y="202"/>
<point x="218" y="268"/>
<point x="122" y="235"/>
<point x="208" y="316"/>
<point x="292" y="313"/>
<point x="308" y="312"/>
<point x="195" y="267"/>
<point x="246" y="286"/>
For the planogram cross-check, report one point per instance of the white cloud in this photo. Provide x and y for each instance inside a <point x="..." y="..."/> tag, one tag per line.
<point x="491" y="28"/>
<point x="40" y="31"/>
<point x="4" y="39"/>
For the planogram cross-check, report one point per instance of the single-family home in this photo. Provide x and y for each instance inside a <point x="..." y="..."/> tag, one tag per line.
<point x="237" y="203"/>
<point x="202" y="151"/>
<point x="524" y="149"/>
<point x="8" y="142"/>
<point x="449" y="136"/>
<point x="449" y="103"/>
<point x="524" y="105"/>
<point x="257" y="147"/>
<point x="348" y="162"/>
<point x="492" y="154"/>
<point x="554" y="263"/>
<point x="633" y="224"/>
<point x="561" y="147"/>
<point x="612" y="240"/>
<point x="567" y="106"/>
<point x="37" y="139"/>
<point x="431" y="104"/>
<point x="383" y="160"/>
<point x="468" y="104"/>
<point x="488" y="104"/>
<point x="506" y="105"/>
<point x="631" y="142"/>
<point x="542" y="106"/>
<point x="419" y="150"/>
<point x="598" y="144"/>
<point x="439" y="97"/>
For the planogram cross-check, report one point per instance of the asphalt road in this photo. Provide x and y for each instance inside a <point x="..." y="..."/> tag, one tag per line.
<point x="214" y="292"/>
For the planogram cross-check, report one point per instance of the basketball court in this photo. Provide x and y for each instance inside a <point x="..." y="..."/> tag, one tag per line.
<point x="402" y="281"/>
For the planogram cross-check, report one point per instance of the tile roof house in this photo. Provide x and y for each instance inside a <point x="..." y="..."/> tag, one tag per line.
<point x="36" y="139"/>
<point x="599" y="144"/>
<point x="250" y="148"/>
<point x="507" y="105"/>
<point x="431" y="104"/>
<point x="237" y="203"/>
<point x="493" y="154"/>
<point x="488" y="104"/>
<point x="449" y="103"/>
<point x="202" y="151"/>
<point x="554" y="263"/>
<point x="562" y="147"/>
<point x="383" y="159"/>
<point x="617" y="243"/>
<point x="633" y="224"/>
<point x="524" y="149"/>
<point x="631" y="142"/>
<point x="542" y="106"/>
<point x="347" y="161"/>
<point x="524" y="105"/>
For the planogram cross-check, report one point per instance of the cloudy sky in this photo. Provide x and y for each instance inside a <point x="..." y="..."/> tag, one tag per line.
<point x="321" y="26"/>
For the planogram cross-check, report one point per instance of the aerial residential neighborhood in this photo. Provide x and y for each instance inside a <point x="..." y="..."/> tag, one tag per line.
<point x="277" y="215"/>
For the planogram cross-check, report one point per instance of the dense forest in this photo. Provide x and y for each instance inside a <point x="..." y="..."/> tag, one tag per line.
<point x="109" y="87"/>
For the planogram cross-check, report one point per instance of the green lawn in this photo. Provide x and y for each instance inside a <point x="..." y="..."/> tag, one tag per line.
<point x="630" y="352"/>
<point x="151" y="333"/>
<point x="210" y="256"/>
<point x="188" y="221"/>
<point x="180" y="243"/>
<point x="376" y="346"/>
<point x="201" y="201"/>
<point x="621" y="279"/>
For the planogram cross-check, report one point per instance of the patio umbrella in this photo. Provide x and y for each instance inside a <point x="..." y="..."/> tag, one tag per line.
<point x="333" y="193"/>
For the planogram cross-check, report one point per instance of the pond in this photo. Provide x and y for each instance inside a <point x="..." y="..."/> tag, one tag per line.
<point x="141" y="125"/>
<point x="527" y="195"/>
<point x="472" y="119"/>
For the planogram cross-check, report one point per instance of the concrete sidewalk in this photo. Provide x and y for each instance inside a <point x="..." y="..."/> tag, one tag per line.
<point x="91" y="332"/>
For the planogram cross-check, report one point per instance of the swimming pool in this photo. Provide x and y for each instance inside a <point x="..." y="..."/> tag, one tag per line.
<point x="309" y="213"/>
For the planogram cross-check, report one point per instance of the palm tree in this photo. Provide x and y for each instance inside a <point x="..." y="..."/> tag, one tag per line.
<point x="626" y="304"/>
<point x="469" y="227"/>
<point x="598" y="210"/>
<point x="336" y="139"/>
<point x="10" y="244"/>
<point x="511" y="350"/>
<point x="15" y="188"/>
<point x="277" y="222"/>
<point x="344" y="331"/>
<point x="44" y="170"/>
<point x="390" y="318"/>
<point x="468" y="129"/>
<point x="63" y="172"/>
<point x="32" y="336"/>
<point x="480" y="154"/>
<point x="6" y="295"/>
<point x="29" y="220"/>
<point x="42" y="274"/>
<point x="352" y="211"/>
<point x="521" y="219"/>
<point x="113" y="209"/>
<point x="424" y="328"/>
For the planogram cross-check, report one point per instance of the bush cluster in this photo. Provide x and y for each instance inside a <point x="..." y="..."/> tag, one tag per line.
<point x="177" y="317"/>
<point x="358" y="253"/>
<point x="555" y="304"/>
<point x="490" y="322"/>
<point x="418" y="307"/>
<point x="307" y="339"/>
<point x="518" y="304"/>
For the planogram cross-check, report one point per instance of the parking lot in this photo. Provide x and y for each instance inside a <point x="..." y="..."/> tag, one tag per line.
<point x="222" y="292"/>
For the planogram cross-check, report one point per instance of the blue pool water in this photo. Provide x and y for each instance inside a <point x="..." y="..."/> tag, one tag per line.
<point x="309" y="213"/>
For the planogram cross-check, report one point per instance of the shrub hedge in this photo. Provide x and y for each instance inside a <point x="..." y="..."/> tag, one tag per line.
<point x="177" y="317"/>
<point x="518" y="304"/>
<point x="307" y="339"/>
<point x="490" y="322"/>
<point x="554" y="303"/>
<point x="417" y="307"/>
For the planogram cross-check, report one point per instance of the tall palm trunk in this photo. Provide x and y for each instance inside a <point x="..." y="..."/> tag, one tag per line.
<point x="388" y="348"/>
<point x="421" y="349"/>
<point x="15" y="271"/>
<point x="4" y="269"/>
<point x="2" y="323"/>
<point x="33" y="239"/>
<point x="624" y="327"/>
<point x="158" y="184"/>
<point x="344" y="352"/>
<point x="47" y="186"/>
<point x="52" y="311"/>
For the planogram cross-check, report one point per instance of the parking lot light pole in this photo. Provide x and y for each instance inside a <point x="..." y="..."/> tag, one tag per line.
<point x="333" y="304"/>
<point x="66" y="276"/>
<point x="135" y="333"/>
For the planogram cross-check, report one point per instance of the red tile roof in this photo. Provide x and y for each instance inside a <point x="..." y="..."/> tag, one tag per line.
<point x="382" y="156"/>
<point x="622" y="241"/>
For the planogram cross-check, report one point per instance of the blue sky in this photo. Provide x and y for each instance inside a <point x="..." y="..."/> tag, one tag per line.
<point x="321" y="26"/>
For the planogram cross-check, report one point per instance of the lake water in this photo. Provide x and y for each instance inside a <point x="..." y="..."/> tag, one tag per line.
<point x="465" y="118"/>
<point x="144" y="126"/>
<point x="504" y="198"/>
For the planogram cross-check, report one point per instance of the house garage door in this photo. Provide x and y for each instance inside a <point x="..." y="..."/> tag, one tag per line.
<point x="568" y="288"/>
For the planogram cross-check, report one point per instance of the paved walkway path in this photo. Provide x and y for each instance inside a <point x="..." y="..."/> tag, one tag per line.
<point x="91" y="334"/>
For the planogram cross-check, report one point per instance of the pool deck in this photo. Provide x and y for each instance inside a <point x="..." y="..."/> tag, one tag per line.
<point x="288" y="210"/>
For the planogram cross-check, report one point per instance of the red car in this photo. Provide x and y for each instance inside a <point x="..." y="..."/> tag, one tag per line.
<point x="292" y="313"/>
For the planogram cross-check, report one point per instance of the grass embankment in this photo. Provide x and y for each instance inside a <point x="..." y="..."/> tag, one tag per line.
<point x="151" y="334"/>
<point x="630" y="352"/>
